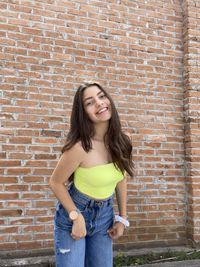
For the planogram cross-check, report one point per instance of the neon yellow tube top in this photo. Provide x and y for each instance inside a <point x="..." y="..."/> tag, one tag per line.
<point x="99" y="181"/>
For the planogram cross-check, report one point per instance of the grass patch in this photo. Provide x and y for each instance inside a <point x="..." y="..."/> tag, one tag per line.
<point x="124" y="260"/>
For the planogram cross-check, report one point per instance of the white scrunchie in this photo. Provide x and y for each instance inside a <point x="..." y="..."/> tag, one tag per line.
<point x="122" y="220"/>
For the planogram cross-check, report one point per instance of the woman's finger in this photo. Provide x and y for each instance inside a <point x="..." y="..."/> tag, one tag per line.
<point x="77" y="236"/>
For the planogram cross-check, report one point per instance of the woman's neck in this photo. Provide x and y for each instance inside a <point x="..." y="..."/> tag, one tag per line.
<point x="100" y="132"/>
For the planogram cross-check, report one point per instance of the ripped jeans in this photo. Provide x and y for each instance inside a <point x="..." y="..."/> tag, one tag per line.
<point x="95" y="249"/>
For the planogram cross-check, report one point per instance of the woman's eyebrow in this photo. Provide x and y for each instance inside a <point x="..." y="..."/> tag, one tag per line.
<point x="87" y="98"/>
<point x="91" y="97"/>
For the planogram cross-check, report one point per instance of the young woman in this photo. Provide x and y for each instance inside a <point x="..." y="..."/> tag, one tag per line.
<point x="94" y="161"/>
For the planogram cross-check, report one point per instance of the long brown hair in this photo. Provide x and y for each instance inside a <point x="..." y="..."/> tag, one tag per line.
<point x="82" y="129"/>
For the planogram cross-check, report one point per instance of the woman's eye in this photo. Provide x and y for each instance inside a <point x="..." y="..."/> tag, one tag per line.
<point x="88" y="103"/>
<point x="102" y="96"/>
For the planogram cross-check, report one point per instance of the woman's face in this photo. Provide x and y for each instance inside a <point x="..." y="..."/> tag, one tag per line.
<point x="96" y="104"/>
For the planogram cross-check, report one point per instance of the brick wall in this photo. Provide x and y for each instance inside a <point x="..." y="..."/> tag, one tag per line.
<point x="191" y="38"/>
<point x="136" y="51"/>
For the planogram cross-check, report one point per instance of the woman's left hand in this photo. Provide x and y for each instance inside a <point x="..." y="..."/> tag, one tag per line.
<point x="116" y="230"/>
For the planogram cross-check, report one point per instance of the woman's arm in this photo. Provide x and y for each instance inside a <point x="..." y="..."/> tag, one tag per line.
<point x="67" y="164"/>
<point x="121" y="194"/>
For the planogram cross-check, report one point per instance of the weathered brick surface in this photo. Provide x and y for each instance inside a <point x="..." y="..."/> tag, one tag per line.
<point x="138" y="50"/>
<point x="191" y="38"/>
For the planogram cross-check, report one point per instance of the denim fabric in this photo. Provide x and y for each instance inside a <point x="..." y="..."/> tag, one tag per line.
<point x="95" y="250"/>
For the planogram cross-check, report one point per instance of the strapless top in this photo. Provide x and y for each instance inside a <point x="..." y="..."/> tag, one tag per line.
<point x="99" y="181"/>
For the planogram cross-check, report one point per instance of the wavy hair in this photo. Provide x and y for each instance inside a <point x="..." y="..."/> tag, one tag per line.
<point x="82" y="129"/>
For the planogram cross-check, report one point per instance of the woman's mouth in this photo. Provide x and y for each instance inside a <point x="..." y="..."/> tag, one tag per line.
<point x="102" y="110"/>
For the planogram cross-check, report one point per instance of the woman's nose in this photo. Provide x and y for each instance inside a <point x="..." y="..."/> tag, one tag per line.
<point x="99" y="102"/>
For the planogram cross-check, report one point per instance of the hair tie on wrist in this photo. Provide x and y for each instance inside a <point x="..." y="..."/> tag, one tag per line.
<point x="122" y="220"/>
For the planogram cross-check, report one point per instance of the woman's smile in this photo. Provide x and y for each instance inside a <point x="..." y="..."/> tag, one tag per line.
<point x="102" y="110"/>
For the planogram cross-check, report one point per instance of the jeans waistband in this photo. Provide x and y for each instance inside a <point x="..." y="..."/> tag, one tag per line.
<point x="80" y="197"/>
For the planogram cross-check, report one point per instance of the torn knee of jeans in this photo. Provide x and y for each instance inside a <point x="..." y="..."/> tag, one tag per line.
<point x="64" y="250"/>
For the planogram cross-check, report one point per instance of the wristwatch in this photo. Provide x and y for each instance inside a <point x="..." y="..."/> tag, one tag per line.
<point x="73" y="215"/>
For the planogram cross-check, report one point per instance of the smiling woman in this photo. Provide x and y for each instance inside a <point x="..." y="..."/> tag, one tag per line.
<point x="97" y="155"/>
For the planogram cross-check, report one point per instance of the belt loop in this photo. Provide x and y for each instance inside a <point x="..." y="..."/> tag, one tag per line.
<point x="110" y="201"/>
<point x="99" y="203"/>
<point x="91" y="203"/>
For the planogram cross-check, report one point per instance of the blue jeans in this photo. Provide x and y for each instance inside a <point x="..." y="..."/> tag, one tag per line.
<point x="95" y="249"/>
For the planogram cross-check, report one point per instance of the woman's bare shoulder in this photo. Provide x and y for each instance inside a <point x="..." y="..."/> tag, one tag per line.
<point x="76" y="149"/>
<point x="68" y="163"/>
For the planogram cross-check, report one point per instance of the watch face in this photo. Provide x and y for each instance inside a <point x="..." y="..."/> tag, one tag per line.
<point x="73" y="215"/>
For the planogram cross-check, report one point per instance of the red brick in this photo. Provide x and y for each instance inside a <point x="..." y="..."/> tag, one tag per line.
<point x="18" y="171"/>
<point x="40" y="204"/>
<point x="10" y="229"/>
<point x="20" y="238"/>
<point x="34" y="228"/>
<point x="40" y="187"/>
<point x="6" y="246"/>
<point x="43" y="236"/>
<point x="29" y="245"/>
<point x="36" y="212"/>
<point x="33" y="195"/>
<point x="9" y="163"/>
<point x="36" y="163"/>
<point x="33" y="179"/>
<point x="45" y="219"/>
<point x="21" y="221"/>
<point x="8" y="180"/>
<point x="20" y="155"/>
<point x="6" y="196"/>
<point x="16" y="188"/>
<point x="11" y="213"/>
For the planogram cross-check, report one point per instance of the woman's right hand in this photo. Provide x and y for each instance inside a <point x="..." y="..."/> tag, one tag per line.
<point x="78" y="228"/>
